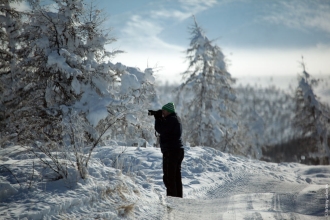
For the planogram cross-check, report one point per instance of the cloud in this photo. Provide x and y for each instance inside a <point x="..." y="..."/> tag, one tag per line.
<point x="173" y="14"/>
<point x="143" y="28"/>
<point x="140" y="36"/>
<point x="302" y="14"/>
<point x="145" y="49"/>
<point x="248" y="64"/>
<point x="168" y="64"/>
<point x="185" y="9"/>
<point x="22" y="6"/>
<point x="278" y="62"/>
<point x="196" y="6"/>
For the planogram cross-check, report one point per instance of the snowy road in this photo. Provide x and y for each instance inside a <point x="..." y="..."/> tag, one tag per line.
<point x="252" y="197"/>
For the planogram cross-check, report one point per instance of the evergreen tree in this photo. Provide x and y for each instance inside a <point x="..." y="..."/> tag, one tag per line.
<point x="72" y="97"/>
<point x="312" y="117"/>
<point x="207" y="95"/>
<point x="137" y="88"/>
<point x="12" y="48"/>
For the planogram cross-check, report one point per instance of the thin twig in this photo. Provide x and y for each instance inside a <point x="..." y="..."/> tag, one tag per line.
<point x="99" y="138"/>
<point x="114" y="162"/>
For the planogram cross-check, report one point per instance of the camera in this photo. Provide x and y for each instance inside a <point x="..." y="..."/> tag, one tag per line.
<point x="151" y="112"/>
<point x="157" y="114"/>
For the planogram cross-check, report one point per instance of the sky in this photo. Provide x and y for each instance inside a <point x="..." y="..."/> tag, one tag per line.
<point x="260" y="38"/>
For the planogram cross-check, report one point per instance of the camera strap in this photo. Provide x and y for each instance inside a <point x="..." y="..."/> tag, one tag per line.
<point x="157" y="140"/>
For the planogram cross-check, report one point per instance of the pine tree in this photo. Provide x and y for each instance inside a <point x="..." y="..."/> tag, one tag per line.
<point x="208" y="98"/>
<point x="312" y="117"/>
<point x="12" y="47"/>
<point x="71" y="96"/>
<point x="51" y="66"/>
<point x="10" y="36"/>
<point x="137" y="89"/>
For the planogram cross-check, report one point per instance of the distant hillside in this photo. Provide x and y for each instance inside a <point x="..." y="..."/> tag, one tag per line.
<point x="295" y="150"/>
<point x="274" y="106"/>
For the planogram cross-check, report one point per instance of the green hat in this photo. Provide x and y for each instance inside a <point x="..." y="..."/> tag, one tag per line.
<point x="169" y="107"/>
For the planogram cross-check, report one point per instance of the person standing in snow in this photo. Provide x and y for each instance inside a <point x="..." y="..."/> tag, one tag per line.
<point x="169" y="127"/>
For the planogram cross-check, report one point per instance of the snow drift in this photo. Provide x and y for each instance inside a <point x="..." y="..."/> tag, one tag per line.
<point x="126" y="182"/>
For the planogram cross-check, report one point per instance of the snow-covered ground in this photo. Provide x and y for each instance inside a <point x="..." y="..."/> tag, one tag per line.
<point x="126" y="182"/>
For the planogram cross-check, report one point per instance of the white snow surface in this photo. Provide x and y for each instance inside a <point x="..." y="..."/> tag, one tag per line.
<point x="126" y="183"/>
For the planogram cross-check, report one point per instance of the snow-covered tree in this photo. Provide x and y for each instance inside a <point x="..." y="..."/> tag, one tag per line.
<point x="10" y="37"/>
<point x="73" y="95"/>
<point x="12" y="48"/>
<point x="207" y="96"/>
<point x="312" y="118"/>
<point x="137" y="88"/>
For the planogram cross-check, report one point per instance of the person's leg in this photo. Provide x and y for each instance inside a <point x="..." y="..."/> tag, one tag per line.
<point x="178" y="178"/>
<point x="165" y="171"/>
<point x="172" y="167"/>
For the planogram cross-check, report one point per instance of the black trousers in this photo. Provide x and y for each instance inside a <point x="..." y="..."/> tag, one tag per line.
<point x="172" y="172"/>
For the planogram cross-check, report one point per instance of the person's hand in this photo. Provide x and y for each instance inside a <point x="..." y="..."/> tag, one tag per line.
<point x="159" y="114"/>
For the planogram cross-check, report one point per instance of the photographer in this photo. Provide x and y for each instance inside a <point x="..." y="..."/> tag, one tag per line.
<point x="168" y="125"/>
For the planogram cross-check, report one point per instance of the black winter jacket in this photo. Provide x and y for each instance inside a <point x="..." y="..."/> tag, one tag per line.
<point x="170" y="130"/>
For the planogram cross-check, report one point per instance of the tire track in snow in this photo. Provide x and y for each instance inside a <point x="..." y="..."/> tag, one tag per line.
<point x="238" y="183"/>
<point x="284" y="206"/>
<point x="192" y="209"/>
<point x="236" y="194"/>
<point x="246" y="192"/>
<point x="249" y="203"/>
<point x="277" y="207"/>
<point x="234" y="182"/>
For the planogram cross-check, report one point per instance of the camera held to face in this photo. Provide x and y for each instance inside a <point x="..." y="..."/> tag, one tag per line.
<point x="157" y="114"/>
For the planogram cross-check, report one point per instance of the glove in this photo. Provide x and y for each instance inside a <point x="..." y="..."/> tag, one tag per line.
<point x="158" y="114"/>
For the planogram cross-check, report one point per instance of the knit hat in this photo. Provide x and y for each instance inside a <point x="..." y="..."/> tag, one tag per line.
<point x="169" y="107"/>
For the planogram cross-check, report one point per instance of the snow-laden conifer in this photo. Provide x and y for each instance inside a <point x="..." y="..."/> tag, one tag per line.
<point x="312" y="118"/>
<point x="74" y="97"/>
<point x="207" y="98"/>
<point x="12" y="47"/>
